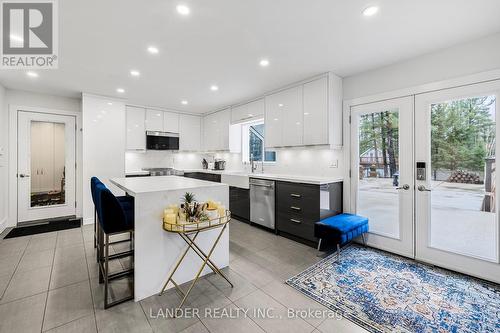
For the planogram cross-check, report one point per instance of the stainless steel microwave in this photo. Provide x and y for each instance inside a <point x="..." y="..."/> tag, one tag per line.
<point x="162" y="140"/>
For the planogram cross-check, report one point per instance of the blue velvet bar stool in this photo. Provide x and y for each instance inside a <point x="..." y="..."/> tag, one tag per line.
<point x="113" y="220"/>
<point x="127" y="203"/>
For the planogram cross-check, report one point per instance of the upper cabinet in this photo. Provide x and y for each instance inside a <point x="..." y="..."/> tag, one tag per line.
<point x="307" y="114"/>
<point x="170" y="122"/>
<point x="162" y="121"/>
<point x="189" y="132"/>
<point x="284" y="119"/>
<point x="140" y="120"/>
<point x="154" y="120"/>
<point x="136" y="132"/>
<point x="216" y="130"/>
<point x="248" y="111"/>
<point x="315" y="112"/>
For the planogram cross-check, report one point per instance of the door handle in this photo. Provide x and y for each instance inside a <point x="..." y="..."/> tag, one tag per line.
<point x="22" y="175"/>
<point x="293" y="195"/>
<point x="296" y="208"/>
<point x="422" y="188"/>
<point x="405" y="187"/>
<point x="295" y="221"/>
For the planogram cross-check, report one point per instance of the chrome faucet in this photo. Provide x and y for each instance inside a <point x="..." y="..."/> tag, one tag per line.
<point x="252" y="163"/>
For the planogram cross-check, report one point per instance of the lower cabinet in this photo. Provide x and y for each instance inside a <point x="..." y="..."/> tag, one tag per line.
<point x="211" y="177"/>
<point x="239" y="203"/>
<point x="299" y="206"/>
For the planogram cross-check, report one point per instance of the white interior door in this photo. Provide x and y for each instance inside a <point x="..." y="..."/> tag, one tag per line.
<point x="45" y="166"/>
<point x="382" y="176"/>
<point x="456" y="203"/>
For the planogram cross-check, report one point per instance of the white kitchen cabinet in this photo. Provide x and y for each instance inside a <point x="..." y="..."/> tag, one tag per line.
<point x="293" y="116"/>
<point x="273" y="121"/>
<point x="216" y="130"/>
<point x="136" y="131"/>
<point x="170" y="122"/>
<point x="316" y="112"/>
<point x="308" y="114"/>
<point x="189" y="132"/>
<point x="154" y="120"/>
<point x="248" y="111"/>
<point x="284" y="118"/>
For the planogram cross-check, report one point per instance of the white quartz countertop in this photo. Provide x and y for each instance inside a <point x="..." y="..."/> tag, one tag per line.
<point x="139" y="185"/>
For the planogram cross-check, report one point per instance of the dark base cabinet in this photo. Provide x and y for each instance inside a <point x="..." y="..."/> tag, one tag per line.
<point x="211" y="177"/>
<point x="299" y="206"/>
<point x="239" y="203"/>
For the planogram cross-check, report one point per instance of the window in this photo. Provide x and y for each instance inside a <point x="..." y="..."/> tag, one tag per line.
<point x="253" y="143"/>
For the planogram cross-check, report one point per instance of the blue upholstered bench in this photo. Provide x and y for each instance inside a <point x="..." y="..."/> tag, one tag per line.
<point x="341" y="229"/>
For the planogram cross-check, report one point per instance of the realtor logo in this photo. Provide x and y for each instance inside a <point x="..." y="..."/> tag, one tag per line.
<point x="29" y="34"/>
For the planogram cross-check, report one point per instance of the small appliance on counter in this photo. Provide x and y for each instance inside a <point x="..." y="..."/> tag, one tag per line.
<point x="204" y="164"/>
<point x="219" y="165"/>
<point x="211" y="165"/>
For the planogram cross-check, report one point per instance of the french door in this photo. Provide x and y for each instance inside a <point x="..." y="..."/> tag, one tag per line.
<point x="424" y="173"/>
<point x="456" y="203"/>
<point x="382" y="176"/>
<point x="45" y="166"/>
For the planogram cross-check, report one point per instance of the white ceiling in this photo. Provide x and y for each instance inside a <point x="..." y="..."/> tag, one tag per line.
<point x="222" y="41"/>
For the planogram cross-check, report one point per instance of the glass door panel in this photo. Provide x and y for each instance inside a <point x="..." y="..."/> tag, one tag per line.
<point x="463" y="177"/>
<point x="382" y="172"/>
<point x="379" y="171"/>
<point x="47" y="164"/>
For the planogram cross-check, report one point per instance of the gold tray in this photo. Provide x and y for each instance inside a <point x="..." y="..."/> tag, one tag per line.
<point x="198" y="225"/>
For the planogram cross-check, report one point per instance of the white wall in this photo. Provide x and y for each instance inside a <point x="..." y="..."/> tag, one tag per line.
<point x="461" y="60"/>
<point x="103" y="145"/>
<point x="3" y="160"/>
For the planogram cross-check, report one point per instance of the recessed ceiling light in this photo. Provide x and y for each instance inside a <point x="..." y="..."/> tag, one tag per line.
<point x="153" y="50"/>
<point x="370" y="11"/>
<point x="109" y="103"/>
<point x="306" y="113"/>
<point x="184" y="102"/>
<point x="183" y="9"/>
<point x="264" y="63"/>
<point x="120" y="90"/>
<point x="250" y="115"/>
<point x="280" y="105"/>
<point x="214" y="88"/>
<point x="32" y="74"/>
<point x="134" y="72"/>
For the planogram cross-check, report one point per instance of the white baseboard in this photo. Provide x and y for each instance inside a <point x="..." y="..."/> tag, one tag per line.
<point x="89" y="220"/>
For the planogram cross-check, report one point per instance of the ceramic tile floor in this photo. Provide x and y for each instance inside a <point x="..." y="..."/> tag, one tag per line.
<point x="49" y="283"/>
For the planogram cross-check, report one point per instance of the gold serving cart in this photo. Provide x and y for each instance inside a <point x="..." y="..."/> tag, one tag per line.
<point x="189" y="231"/>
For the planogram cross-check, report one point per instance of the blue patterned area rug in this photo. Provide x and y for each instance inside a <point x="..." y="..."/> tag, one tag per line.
<point x="382" y="292"/>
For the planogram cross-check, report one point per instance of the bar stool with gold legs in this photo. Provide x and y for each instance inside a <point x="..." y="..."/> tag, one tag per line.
<point x="113" y="220"/>
<point x="127" y="203"/>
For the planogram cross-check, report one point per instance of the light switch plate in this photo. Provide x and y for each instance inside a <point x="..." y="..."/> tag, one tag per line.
<point x="335" y="164"/>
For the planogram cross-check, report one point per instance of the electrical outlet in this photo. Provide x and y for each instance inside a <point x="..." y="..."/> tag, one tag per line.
<point x="335" y="164"/>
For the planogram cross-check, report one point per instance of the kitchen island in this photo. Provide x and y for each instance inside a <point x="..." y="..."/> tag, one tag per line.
<point x="155" y="250"/>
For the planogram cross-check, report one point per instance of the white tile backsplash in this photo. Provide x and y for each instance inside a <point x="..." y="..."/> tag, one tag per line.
<point x="303" y="162"/>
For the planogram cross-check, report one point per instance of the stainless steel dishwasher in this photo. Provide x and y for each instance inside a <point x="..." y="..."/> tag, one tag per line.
<point x="262" y="205"/>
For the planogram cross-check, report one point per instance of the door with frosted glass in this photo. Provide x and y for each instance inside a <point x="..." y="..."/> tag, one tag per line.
<point x="46" y="166"/>
<point x="382" y="174"/>
<point x="456" y="202"/>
